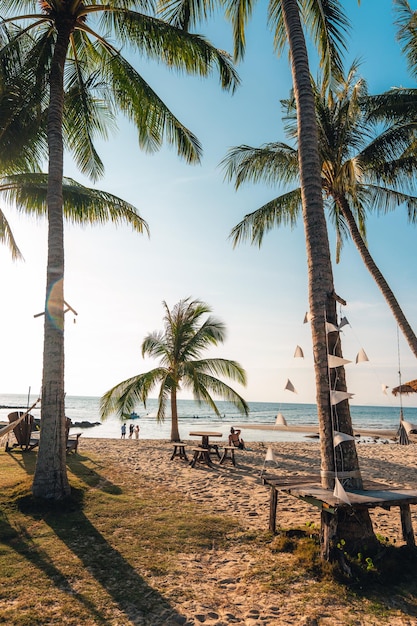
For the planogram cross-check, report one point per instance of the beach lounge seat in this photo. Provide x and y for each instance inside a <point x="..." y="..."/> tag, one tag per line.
<point x="23" y="431"/>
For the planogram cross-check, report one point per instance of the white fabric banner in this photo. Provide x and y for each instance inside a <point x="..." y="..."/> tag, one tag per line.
<point x="280" y="420"/>
<point x="336" y="361"/>
<point x="298" y="353"/>
<point x="338" y="396"/>
<point x="361" y="356"/>
<point x="289" y="386"/>
<point x="338" y="437"/>
<point x="339" y="492"/>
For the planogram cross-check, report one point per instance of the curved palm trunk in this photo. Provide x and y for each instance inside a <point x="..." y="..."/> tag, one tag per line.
<point x="175" y="434"/>
<point x="322" y="301"/>
<point x="377" y="276"/>
<point x="50" y="479"/>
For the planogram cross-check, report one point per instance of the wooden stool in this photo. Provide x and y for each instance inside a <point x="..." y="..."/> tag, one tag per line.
<point x="228" y="453"/>
<point x="202" y="455"/>
<point x="179" y="450"/>
<point x="214" y="449"/>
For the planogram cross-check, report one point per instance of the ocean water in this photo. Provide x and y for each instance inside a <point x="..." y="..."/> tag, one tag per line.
<point x="195" y="417"/>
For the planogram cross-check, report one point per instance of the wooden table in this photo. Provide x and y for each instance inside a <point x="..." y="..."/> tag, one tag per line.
<point x="309" y="489"/>
<point x="205" y="446"/>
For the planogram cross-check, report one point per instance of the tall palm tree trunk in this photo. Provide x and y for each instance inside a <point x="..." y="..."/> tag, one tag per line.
<point x="50" y="479"/>
<point x="377" y="276"/>
<point x="175" y="433"/>
<point x="322" y="302"/>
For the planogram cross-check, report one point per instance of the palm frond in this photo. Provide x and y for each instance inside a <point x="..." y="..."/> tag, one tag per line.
<point x="82" y="205"/>
<point x="284" y="210"/>
<point x="122" y="398"/>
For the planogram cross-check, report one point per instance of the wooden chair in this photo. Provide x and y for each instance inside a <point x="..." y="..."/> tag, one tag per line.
<point x="72" y="440"/>
<point x="228" y="453"/>
<point x="23" y="432"/>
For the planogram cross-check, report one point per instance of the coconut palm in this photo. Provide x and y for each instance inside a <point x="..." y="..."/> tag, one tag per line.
<point x="327" y="24"/>
<point x="72" y="42"/>
<point x="362" y="172"/>
<point x="179" y="347"/>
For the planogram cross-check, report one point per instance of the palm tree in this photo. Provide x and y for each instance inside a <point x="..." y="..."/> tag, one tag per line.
<point x="179" y="347"/>
<point x="68" y="50"/>
<point x="327" y="25"/>
<point x="360" y="172"/>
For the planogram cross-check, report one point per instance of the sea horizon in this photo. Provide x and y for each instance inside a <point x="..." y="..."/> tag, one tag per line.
<point x="193" y="416"/>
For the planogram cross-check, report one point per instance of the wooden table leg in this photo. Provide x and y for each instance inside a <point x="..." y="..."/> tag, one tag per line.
<point x="407" y="526"/>
<point x="273" y="501"/>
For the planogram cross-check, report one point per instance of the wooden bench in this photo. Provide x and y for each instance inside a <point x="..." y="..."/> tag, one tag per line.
<point x="179" y="450"/>
<point x="72" y="443"/>
<point x="201" y="455"/>
<point x="228" y="453"/>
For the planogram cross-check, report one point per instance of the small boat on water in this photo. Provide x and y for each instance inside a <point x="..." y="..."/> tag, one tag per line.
<point x="134" y="415"/>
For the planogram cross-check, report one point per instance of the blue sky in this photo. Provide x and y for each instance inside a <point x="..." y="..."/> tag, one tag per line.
<point x="117" y="280"/>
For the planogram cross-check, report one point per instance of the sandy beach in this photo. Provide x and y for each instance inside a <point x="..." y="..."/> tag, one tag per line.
<point x="224" y="595"/>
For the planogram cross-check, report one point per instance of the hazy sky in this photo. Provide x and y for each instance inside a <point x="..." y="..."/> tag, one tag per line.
<point x="116" y="280"/>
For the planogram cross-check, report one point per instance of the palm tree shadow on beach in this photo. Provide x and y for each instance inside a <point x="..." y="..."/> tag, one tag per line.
<point x="129" y="591"/>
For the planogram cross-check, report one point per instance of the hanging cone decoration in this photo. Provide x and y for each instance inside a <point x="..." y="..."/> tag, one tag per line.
<point x="384" y="389"/>
<point x="280" y="420"/>
<point x="361" y="356"/>
<point x="339" y="492"/>
<point x="339" y="437"/>
<point x="298" y="353"/>
<point x="270" y="455"/>
<point x="338" y="396"/>
<point x="343" y="322"/>
<point x="289" y="386"/>
<point x="331" y="328"/>
<point x="336" y="361"/>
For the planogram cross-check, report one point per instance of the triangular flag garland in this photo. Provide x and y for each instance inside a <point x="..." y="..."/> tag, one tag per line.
<point x="289" y="386"/>
<point x="336" y="361"/>
<point x="298" y="353"/>
<point x="339" y="437"/>
<point x="337" y="396"/>
<point x="384" y="389"/>
<point x="361" y="356"/>
<point x="343" y="322"/>
<point x="339" y="492"/>
<point x="307" y="317"/>
<point x="280" y="420"/>
<point x="270" y="455"/>
<point x="331" y="328"/>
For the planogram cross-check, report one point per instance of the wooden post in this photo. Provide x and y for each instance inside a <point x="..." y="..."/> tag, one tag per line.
<point x="273" y="501"/>
<point x="407" y="526"/>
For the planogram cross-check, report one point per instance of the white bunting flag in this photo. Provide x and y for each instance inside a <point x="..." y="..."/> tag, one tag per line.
<point x="338" y="396"/>
<point x="339" y="492"/>
<point x="269" y="455"/>
<point x="298" y="353"/>
<point x="339" y="437"/>
<point x="289" y="386"/>
<point x="384" y="389"/>
<point x="408" y="426"/>
<point x="361" y="356"/>
<point x="343" y="322"/>
<point x="331" y="328"/>
<point x="336" y="361"/>
<point x="280" y="420"/>
<point x="307" y="317"/>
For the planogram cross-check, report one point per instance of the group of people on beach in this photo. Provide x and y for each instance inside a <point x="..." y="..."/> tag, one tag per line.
<point x="133" y="430"/>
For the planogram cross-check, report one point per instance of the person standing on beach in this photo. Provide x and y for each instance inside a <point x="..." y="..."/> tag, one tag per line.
<point x="123" y="431"/>
<point x="130" y="431"/>
<point x="136" y="431"/>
